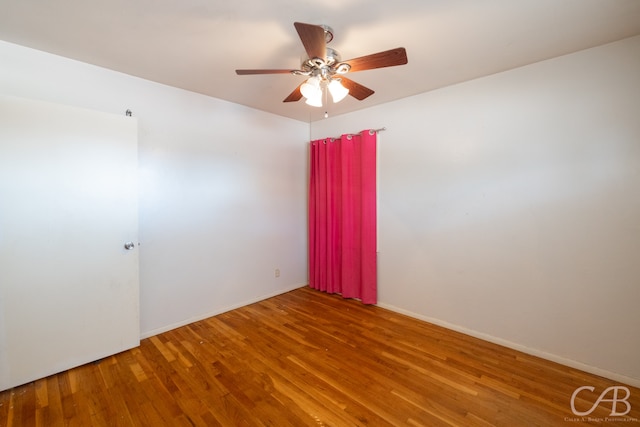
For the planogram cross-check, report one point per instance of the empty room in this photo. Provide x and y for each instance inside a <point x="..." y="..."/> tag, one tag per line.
<point x="339" y="213"/>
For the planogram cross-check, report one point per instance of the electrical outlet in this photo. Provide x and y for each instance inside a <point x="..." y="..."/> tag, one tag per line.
<point x="277" y="272"/>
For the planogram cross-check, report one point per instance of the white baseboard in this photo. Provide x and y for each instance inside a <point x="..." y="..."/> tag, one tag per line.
<point x="219" y="311"/>
<point x="635" y="382"/>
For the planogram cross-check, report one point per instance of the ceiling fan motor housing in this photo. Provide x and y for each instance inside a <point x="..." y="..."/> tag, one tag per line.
<point x="327" y="67"/>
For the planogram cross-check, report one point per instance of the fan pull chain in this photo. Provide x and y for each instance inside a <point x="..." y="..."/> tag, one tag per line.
<point x="326" y="102"/>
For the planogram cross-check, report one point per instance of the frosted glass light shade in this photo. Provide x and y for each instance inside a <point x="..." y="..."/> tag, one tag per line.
<point x="311" y="88"/>
<point x="338" y="92"/>
<point x="316" y="100"/>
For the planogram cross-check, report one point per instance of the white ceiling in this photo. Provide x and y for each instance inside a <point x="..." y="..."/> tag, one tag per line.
<point x="198" y="44"/>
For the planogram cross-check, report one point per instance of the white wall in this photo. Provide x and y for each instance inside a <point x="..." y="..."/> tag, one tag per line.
<point x="223" y="187"/>
<point x="509" y="207"/>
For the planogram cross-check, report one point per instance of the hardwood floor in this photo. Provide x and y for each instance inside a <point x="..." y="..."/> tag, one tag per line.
<point x="306" y="358"/>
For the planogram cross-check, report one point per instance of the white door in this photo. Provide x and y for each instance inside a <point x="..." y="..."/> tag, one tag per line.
<point x="68" y="204"/>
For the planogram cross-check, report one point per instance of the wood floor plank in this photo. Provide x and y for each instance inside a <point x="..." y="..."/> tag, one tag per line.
<point x="306" y="358"/>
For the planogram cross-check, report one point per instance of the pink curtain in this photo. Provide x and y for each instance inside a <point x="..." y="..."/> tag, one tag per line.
<point x="342" y="216"/>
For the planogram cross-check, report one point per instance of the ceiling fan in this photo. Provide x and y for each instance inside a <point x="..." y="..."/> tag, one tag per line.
<point x="326" y="70"/>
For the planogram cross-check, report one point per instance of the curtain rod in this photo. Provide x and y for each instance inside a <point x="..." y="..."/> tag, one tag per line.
<point x="352" y="134"/>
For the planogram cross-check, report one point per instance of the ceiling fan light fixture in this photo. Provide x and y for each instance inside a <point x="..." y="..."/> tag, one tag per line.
<point x="315" y="101"/>
<point x="311" y="88"/>
<point x="338" y="92"/>
<point x="312" y="91"/>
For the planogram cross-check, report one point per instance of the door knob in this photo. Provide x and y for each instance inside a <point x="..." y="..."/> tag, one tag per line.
<point x="129" y="245"/>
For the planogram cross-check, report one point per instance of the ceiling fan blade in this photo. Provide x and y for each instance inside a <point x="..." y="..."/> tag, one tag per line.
<point x="294" y="96"/>
<point x="312" y="37"/>
<point x="356" y="89"/>
<point x="388" y="58"/>
<point x="248" y="72"/>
